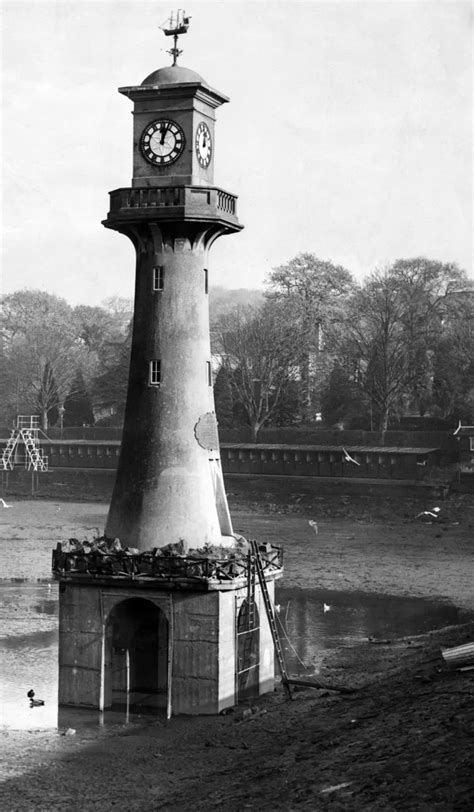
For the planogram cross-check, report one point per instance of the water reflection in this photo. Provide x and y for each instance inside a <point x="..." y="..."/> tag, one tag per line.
<point x="316" y="621"/>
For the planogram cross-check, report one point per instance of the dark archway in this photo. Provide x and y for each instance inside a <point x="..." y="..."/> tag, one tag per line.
<point x="248" y="651"/>
<point x="137" y="633"/>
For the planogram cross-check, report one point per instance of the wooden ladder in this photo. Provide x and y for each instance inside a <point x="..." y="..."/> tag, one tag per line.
<point x="271" y="618"/>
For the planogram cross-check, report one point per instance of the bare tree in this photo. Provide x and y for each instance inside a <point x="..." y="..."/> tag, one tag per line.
<point x="395" y="324"/>
<point x="260" y="349"/>
<point x="429" y="293"/>
<point x="374" y="344"/>
<point x="314" y="293"/>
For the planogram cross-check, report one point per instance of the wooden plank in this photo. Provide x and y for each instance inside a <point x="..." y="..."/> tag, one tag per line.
<point x="321" y="685"/>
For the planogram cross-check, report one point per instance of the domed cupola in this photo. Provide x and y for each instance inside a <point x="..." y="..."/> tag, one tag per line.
<point x="173" y="75"/>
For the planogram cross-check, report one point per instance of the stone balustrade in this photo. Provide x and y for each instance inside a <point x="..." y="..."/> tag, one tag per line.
<point x="153" y="202"/>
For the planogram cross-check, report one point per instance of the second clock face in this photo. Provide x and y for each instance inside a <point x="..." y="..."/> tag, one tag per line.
<point x="162" y="142"/>
<point x="203" y="144"/>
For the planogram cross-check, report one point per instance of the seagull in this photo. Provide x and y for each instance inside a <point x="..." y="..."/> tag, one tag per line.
<point x="4" y="504"/>
<point x="326" y="608"/>
<point x="458" y="428"/>
<point x="313" y="525"/>
<point x="348" y="458"/>
<point x="433" y="513"/>
<point x="34" y="703"/>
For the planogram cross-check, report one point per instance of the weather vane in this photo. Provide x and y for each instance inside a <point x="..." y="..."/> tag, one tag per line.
<point x="173" y="27"/>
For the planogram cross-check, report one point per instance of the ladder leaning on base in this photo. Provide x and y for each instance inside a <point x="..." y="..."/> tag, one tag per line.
<point x="271" y="617"/>
<point x="285" y="679"/>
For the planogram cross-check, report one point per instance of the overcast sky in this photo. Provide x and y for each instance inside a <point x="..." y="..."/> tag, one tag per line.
<point x="348" y="133"/>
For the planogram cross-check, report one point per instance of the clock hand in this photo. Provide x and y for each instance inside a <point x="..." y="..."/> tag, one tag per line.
<point x="163" y="131"/>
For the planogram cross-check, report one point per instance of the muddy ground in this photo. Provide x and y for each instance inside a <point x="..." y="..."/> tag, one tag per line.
<point x="401" y="740"/>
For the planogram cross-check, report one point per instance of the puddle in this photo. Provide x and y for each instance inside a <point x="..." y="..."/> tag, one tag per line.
<point x="316" y="621"/>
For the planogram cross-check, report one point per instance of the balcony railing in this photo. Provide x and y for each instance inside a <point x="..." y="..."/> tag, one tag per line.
<point x="226" y="202"/>
<point x="198" y="201"/>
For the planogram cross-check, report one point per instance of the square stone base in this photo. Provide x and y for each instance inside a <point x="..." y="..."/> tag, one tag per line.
<point x="187" y="655"/>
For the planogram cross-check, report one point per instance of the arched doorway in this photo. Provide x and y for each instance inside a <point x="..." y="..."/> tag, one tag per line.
<point x="137" y="633"/>
<point x="248" y="651"/>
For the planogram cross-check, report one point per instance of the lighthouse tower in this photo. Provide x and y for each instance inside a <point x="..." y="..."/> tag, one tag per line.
<point x="169" y="485"/>
<point x="167" y="618"/>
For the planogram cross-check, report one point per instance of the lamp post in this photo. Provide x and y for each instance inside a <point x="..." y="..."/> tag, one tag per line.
<point x="61" y="411"/>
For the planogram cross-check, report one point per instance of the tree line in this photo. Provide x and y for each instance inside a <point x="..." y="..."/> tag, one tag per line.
<point x="313" y="344"/>
<point x="67" y="364"/>
<point x="322" y="345"/>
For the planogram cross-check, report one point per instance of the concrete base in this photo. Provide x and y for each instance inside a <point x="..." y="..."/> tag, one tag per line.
<point x="178" y="648"/>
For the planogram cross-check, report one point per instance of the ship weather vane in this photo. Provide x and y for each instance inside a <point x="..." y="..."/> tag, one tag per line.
<point x="173" y="27"/>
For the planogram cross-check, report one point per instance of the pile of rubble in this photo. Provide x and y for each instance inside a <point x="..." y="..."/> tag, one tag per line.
<point x="106" y="557"/>
<point x="106" y="546"/>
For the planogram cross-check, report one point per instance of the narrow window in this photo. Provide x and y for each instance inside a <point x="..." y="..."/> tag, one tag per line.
<point x="158" y="277"/>
<point x="206" y="282"/>
<point x="209" y="373"/>
<point x="155" y="373"/>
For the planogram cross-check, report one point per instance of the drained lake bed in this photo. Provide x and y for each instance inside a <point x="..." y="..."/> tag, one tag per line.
<point x="346" y="583"/>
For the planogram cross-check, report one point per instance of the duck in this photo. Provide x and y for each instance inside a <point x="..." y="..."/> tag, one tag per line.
<point x="34" y="703"/>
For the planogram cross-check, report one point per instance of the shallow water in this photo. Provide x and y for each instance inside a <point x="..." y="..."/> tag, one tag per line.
<point x="315" y="621"/>
<point x="318" y="621"/>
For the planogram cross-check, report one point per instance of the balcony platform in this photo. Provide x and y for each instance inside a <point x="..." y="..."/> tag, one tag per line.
<point x="206" y="204"/>
<point x="154" y="570"/>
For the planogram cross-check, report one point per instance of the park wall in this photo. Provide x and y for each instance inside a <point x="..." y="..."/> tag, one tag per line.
<point x="269" y="460"/>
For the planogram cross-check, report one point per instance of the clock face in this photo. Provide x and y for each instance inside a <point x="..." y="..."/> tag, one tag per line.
<point x="162" y="142"/>
<point x="203" y="145"/>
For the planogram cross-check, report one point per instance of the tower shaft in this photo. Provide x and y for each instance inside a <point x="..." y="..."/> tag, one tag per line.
<point x="169" y="485"/>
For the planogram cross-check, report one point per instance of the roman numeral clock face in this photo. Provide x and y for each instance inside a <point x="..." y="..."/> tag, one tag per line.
<point x="162" y="142"/>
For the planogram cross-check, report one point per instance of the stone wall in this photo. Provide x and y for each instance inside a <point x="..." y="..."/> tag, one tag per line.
<point x="282" y="460"/>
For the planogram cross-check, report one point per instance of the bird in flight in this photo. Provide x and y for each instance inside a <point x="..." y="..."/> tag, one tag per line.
<point x="433" y="513"/>
<point x="348" y="458"/>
